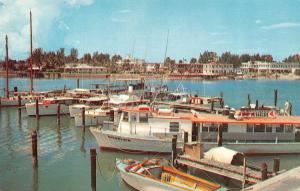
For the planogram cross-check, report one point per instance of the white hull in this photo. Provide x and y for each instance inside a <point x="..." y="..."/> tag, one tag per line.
<point x="13" y="102"/>
<point x="46" y="110"/>
<point x="77" y="109"/>
<point x="259" y="148"/>
<point x="90" y="120"/>
<point x="115" y="141"/>
<point x="145" y="184"/>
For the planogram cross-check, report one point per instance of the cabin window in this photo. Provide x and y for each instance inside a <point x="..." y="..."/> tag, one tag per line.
<point x="225" y="128"/>
<point x="205" y="128"/>
<point x="213" y="128"/>
<point x="125" y="116"/>
<point x="143" y="117"/>
<point x="133" y="117"/>
<point x="269" y="128"/>
<point x="258" y="128"/>
<point x="288" y="128"/>
<point x="174" y="126"/>
<point x="279" y="129"/>
<point x="249" y="128"/>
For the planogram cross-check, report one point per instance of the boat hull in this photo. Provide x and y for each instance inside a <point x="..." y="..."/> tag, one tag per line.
<point x="13" y="102"/>
<point x="76" y="109"/>
<point x="46" y="110"/>
<point x="111" y="140"/>
<point x="90" y="120"/>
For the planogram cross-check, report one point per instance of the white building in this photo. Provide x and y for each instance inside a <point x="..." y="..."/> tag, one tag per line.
<point x="217" y="69"/>
<point x="269" y="67"/>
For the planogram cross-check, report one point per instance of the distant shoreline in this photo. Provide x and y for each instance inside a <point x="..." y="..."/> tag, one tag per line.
<point x="195" y="77"/>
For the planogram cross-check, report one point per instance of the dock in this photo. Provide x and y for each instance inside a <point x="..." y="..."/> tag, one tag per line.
<point x="252" y="176"/>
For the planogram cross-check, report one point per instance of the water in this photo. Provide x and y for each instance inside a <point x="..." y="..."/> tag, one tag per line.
<point x="64" y="162"/>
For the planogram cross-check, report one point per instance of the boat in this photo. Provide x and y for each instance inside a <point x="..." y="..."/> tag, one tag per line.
<point x="87" y="103"/>
<point x="95" y="116"/>
<point x="143" y="129"/>
<point x="150" y="174"/>
<point x="49" y="106"/>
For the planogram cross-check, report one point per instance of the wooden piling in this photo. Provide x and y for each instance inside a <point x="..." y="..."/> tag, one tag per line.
<point x="275" y="97"/>
<point x="276" y="165"/>
<point x="34" y="149"/>
<point x="212" y="106"/>
<point x="244" y="172"/>
<point x="201" y="150"/>
<point x="58" y="114"/>
<point x="185" y="139"/>
<point x="37" y="112"/>
<point x="83" y="118"/>
<point x="220" y="135"/>
<point x="93" y="155"/>
<point x="19" y="104"/>
<point x="77" y="83"/>
<point x="174" y="149"/>
<point x="264" y="171"/>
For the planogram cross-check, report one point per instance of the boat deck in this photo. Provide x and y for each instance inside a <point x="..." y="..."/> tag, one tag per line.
<point x="226" y="170"/>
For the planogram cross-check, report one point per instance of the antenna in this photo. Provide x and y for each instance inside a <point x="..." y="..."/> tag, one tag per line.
<point x="166" y="47"/>
<point x="30" y="65"/>
<point x="6" y="64"/>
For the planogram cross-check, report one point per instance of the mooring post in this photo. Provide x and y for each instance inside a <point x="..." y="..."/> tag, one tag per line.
<point x="174" y="149"/>
<point x="276" y="165"/>
<point x="93" y="155"/>
<point x="244" y="172"/>
<point x="37" y="112"/>
<point x="220" y="135"/>
<point x="77" y="82"/>
<point x="264" y="171"/>
<point x="201" y="150"/>
<point x="58" y="114"/>
<point x="19" y="104"/>
<point x="275" y="97"/>
<point x="83" y="118"/>
<point x="34" y="149"/>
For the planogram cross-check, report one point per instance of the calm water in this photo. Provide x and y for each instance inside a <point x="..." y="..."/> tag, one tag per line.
<point x="64" y="150"/>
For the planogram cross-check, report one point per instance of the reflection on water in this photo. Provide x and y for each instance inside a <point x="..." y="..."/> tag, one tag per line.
<point x="63" y="149"/>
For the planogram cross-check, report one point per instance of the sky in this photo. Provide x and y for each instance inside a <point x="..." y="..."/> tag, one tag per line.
<point x="140" y="27"/>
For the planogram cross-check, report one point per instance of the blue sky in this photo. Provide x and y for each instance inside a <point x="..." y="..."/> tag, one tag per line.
<point x="140" y="26"/>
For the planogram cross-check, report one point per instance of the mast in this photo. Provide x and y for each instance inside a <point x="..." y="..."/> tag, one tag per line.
<point x="30" y="61"/>
<point x="6" y="65"/>
<point x="166" y="47"/>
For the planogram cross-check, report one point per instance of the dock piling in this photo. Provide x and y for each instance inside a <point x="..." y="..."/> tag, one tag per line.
<point x="58" y="114"/>
<point x="174" y="149"/>
<point x="185" y="139"/>
<point x="220" y="135"/>
<point x="244" y="172"/>
<point x="275" y="97"/>
<point x="34" y="149"/>
<point x="19" y="105"/>
<point x="212" y="106"/>
<point x="264" y="171"/>
<point x="83" y="118"/>
<point x="93" y="155"/>
<point x="276" y="165"/>
<point x="37" y="113"/>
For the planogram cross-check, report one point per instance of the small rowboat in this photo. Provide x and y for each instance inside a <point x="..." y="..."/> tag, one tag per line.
<point x="150" y="175"/>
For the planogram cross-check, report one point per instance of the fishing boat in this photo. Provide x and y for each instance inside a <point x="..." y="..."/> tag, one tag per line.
<point x="49" y="106"/>
<point x="95" y="116"/>
<point x="143" y="129"/>
<point x="151" y="175"/>
<point x="87" y="103"/>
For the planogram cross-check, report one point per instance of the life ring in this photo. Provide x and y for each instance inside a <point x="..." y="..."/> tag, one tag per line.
<point x="272" y="114"/>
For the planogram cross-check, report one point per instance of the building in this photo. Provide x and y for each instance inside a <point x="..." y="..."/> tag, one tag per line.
<point x="130" y="64"/>
<point x="188" y="68"/>
<point x="84" y="68"/>
<point x="269" y="67"/>
<point x="217" y="69"/>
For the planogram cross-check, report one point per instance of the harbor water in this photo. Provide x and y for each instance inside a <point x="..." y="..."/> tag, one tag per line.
<point x="64" y="161"/>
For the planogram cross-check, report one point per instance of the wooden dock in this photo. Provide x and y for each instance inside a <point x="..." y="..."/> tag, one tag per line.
<point x="252" y="176"/>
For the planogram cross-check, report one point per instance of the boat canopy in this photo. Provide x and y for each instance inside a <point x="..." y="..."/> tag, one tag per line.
<point x="224" y="155"/>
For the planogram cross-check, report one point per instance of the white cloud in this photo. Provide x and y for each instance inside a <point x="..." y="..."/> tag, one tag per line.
<point x="257" y="21"/>
<point x="281" y="25"/>
<point x="218" y="33"/>
<point x="118" y="20"/>
<point x="63" y="26"/>
<point x="14" y="21"/>
<point x="220" y="42"/>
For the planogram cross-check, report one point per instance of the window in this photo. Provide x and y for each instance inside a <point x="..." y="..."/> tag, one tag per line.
<point x="249" y="128"/>
<point x="133" y="117"/>
<point x="125" y="116"/>
<point x="288" y="128"/>
<point x="213" y="128"/>
<point x="258" y="128"/>
<point x="143" y="117"/>
<point x="268" y="128"/>
<point x="204" y="128"/>
<point x="174" y="126"/>
<point x="279" y="129"/>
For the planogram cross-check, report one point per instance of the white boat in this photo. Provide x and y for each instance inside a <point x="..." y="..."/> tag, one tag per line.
<point x="87" y="103"/>
<point x="142" y="130"/>
<point x="49" y="106"/>
<point x="93" y="116"/>
<point x="150" y="175"/>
